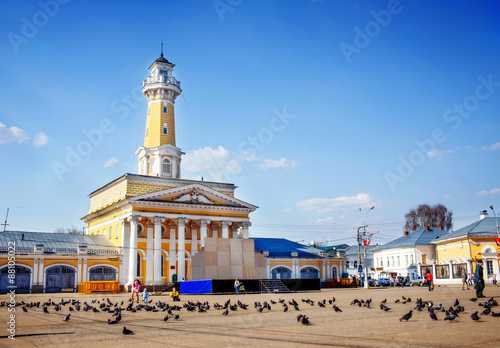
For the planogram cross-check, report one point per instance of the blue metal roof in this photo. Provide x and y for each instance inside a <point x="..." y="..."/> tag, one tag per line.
<point x="280" y="247"/>
<point x="482" y="228"/>
<point x="417" y="237"/>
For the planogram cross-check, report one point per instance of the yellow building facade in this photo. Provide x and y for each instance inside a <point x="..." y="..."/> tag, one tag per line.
<point x="458" y="252"/>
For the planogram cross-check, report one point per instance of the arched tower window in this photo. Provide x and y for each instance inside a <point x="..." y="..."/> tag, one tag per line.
<point x="167" y="167"/>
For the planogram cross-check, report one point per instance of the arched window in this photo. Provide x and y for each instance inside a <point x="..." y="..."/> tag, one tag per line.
<point x="166" y="169"/>
<point x="102" y="273"/>
<point x="309" y="272"/>
<point x="334" y="273"/>
<point x="281" y="273"/>
<point x="138" y="264"/>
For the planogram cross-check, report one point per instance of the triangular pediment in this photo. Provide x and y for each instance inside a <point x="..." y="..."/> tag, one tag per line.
<point x="195" y="194"/>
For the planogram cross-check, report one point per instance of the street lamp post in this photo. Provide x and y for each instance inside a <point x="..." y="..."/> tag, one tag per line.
<point x="364" y="246"/>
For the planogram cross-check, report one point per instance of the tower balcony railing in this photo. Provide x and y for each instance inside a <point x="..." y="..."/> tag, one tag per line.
<point x="161" y="79"/>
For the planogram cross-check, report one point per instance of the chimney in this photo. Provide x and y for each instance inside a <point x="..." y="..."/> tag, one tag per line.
<point x="405" y="233"/>
<point x="22" y="236"/>
<point x="483" y="214"/>
<point x="427" y="228"/>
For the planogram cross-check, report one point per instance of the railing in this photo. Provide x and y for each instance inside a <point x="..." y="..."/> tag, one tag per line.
<point x="31" y="250"/>
<point x="161" y="79"/>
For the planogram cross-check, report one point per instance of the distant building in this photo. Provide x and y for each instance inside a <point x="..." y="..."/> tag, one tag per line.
<point x="287" y="259"/>
<point x="53" y="262"/>
<point x="401" y="256"/>
<point x="351" y="254"/>
<point x="458" y="251"/>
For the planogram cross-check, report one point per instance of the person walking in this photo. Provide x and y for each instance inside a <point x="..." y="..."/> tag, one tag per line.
<point x="136" y="285"/>
<point x="464" y="280"/>
<point x="429" y="279"/>
<point x="469" y="280"/>
<point x="145" y="295"/>
<point x="237" y="285"/>
<point x="479" y="279"/>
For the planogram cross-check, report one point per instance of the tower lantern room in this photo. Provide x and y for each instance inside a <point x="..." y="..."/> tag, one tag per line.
<point x="159" y="156"/>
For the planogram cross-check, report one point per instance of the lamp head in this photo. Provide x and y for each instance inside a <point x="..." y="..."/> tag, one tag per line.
<point x="491" y="207"/>
<point x="359" y="208"/>
<point x="373" y="207"/>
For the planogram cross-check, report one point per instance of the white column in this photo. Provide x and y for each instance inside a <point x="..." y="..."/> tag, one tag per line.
<point x="172" y="249"/>
<point x="324" y="270"/>
<point x="132" y="265"/>
<point x="85" y="270"/>
<point x="244" y="229"/>
<point x="194" y="240"/>
<point x="79" y="276"/>
<point x="149" y="254"/>
<point x="268" y="269"/>
<point x="225" y="228"/>
<point x="203" y="231"/>
<point x="160" y="165"/>
<point x="35" y="272"/>
<point x="328" y="270"/>
<point x="41" y="275"/>
<point x="125" y="238"/>
<point x="182" y="248"/>
<point x="293" y="268"/>
<point x="157" y="251"/>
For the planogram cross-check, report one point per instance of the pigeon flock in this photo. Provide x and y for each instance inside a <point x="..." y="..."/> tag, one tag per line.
<point x="115" y="311"/>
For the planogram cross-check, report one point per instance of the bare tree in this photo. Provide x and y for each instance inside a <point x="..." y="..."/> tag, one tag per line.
<point x="69" y="230"/>
<point x="424" y="215"/>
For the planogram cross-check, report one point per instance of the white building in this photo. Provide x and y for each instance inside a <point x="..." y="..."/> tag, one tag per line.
<point x="401" y="256"/>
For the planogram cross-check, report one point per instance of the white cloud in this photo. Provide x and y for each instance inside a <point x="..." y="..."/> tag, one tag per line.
<point x="212" y="162"/>
<point x="322" y="205"/>
<point x="287" y="210"/>
<point x="40" y="140"/>
<point x="494" y="191"/>
<point x="281" y="163"/>
<point x="111" y="162"/>
<point x="446" y="197"/>
<point x="492" y="147"/>
<point x="328" y="221"/>
<point x="12" y="134"/>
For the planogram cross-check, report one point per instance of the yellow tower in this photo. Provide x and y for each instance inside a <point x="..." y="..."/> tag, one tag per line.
<point x="159" y="156"/>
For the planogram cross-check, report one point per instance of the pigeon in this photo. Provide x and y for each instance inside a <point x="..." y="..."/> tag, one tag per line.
<point x="474" y="316"/>
<point x="303" y="319"/>
<point x="456" y="303"/>
<point x="433" y="315"/>
<point x="384" y="301"/>
<point x="474" y="299"/>
<point x="407" y="316"/>
<point x="493" y="314"/>
<point x="486" y="311"/>
<point x="45" y="310"/>
<point x="25" y="310"/>
<point x="127" y="331"/>
<point x="450" y="316"/>
<point x="165" y="318"/>
<point x="66" y="318"/>
<point x="285" y="308"/>
<point x="110" y="322"/>
<point x="226" y="312"/>
<point x="336" y="309"/>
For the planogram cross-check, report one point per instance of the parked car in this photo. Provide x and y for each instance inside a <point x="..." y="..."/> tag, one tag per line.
<point x="400" y="281"/>
<point x="419" y="280"/>
<point x="382" y="282"/>
<point x="370" y="281"/>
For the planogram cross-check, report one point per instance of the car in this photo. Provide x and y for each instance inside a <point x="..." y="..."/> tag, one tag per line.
<point x="382" y="282"/>
<point x="419" y="280"/>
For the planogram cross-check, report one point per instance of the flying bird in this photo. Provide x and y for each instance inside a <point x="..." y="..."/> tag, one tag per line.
<point x="66" y="318"/>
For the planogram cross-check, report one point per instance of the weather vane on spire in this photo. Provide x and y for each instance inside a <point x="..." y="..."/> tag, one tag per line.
<point x="161" y="48"/>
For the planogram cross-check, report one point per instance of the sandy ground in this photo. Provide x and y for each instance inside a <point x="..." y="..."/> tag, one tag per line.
<point x="353" y="327"/>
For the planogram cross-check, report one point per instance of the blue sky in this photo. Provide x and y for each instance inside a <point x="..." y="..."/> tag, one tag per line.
<point x="312" y="108"/>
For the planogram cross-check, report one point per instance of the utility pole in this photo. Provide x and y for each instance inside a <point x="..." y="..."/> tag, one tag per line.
<point x="359" y="249"/>
<point x="5" y="224"/>
<point x="364" y="237"/>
